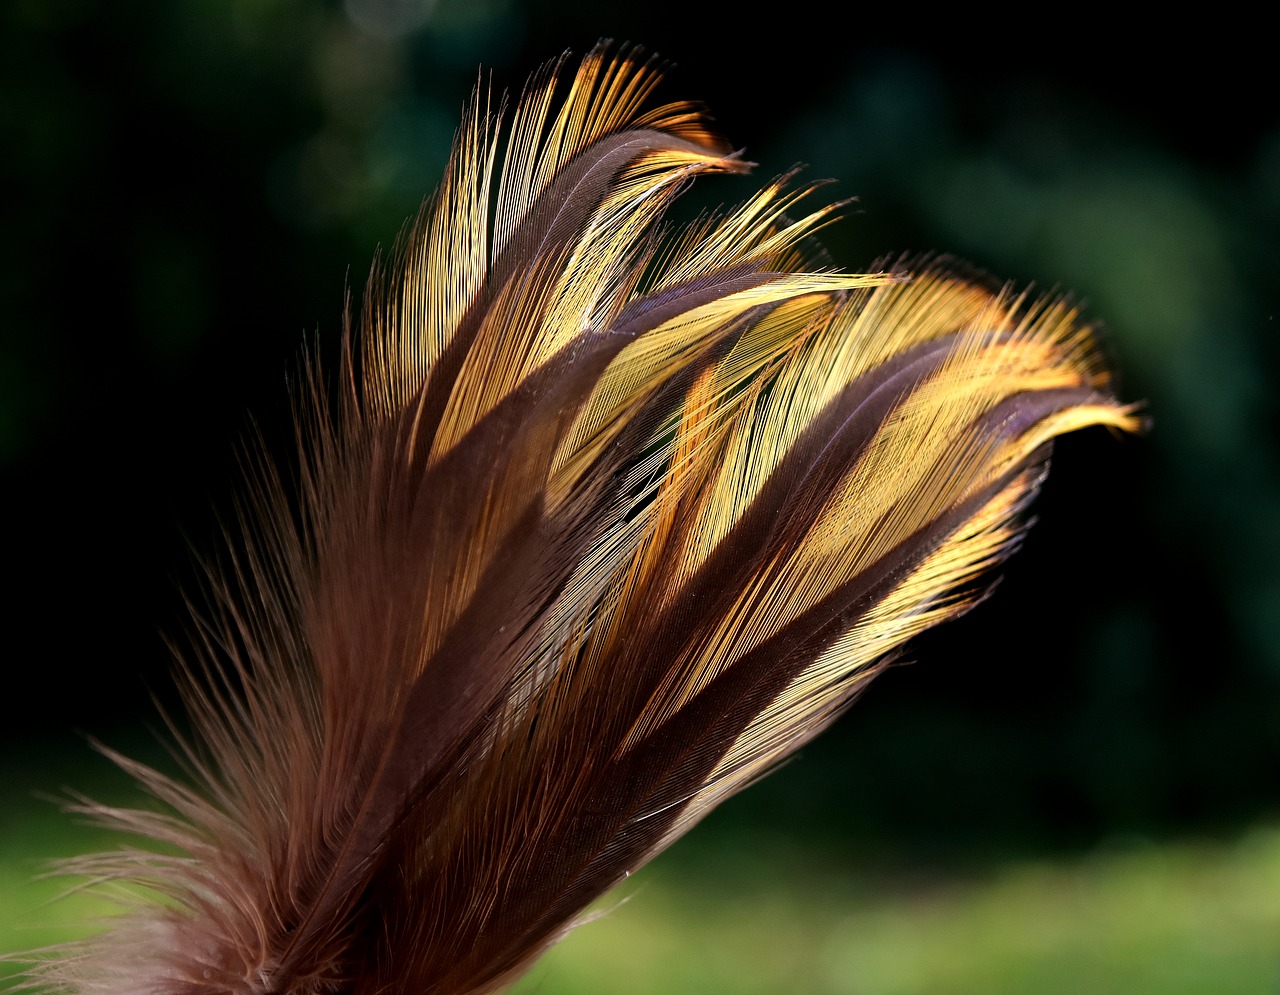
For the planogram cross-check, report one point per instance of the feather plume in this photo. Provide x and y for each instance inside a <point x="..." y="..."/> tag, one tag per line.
<point x="604" y="523"/>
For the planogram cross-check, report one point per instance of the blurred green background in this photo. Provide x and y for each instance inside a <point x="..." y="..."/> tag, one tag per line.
<point x="1074" y="790"/>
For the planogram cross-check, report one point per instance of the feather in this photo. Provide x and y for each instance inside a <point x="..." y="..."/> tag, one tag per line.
<point x="603" y="524"/>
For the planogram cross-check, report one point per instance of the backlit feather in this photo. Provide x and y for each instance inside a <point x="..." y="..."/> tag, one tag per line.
<point x="605" y="522"/>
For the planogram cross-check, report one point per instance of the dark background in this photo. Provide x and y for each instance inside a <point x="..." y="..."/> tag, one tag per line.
<point x="190" y="187"/>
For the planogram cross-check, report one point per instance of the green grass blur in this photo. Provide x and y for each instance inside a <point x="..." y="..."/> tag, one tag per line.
<point x="1169" y="919"/>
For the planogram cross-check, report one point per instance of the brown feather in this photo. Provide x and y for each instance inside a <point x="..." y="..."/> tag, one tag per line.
<point x="601" y="528"/>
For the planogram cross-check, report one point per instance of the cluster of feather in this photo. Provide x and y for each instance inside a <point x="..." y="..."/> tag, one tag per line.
<point x="604" y="523"/>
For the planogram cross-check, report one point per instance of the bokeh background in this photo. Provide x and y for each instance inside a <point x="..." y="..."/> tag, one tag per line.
<point x="1075" y="789"/>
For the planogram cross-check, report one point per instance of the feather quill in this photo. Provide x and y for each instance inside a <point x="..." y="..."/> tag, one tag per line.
<point x="603" y="525"/>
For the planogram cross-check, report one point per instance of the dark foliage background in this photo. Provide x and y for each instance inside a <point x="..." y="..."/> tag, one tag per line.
<point x="190" y="186"/>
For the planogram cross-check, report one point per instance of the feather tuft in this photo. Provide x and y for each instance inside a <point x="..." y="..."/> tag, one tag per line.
<point x="602" y="527"/>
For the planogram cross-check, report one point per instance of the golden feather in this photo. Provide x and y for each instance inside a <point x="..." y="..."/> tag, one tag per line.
<point x="603" y="525"/>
